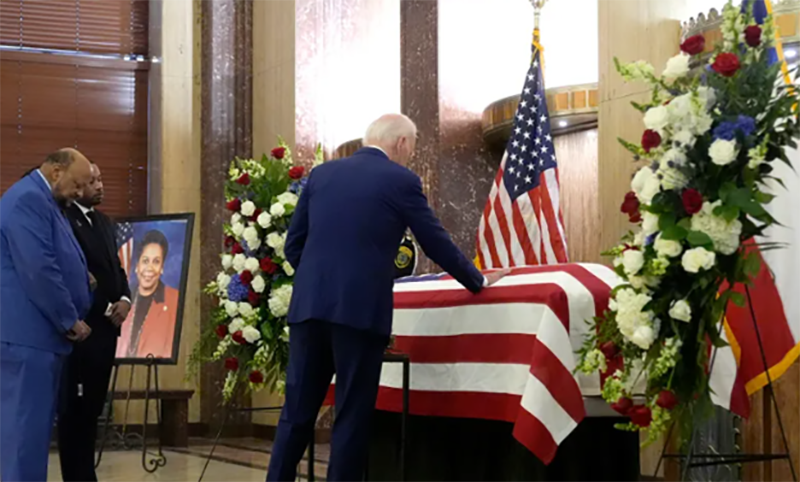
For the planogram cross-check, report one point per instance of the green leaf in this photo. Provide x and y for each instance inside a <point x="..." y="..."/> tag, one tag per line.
<point x="674" y="233"/>
<point x="666" y="221"/>
<point x="752" y="265"/>
<point x="685" y="223"/>
<point x="763" y="197"/>
<point x="726" y="190"/>
<point x="631" y="147"/>
<point x="699" y="239"/>
<point x="737" y="299"/>
<point x="729" y="213"/>
<point x="640" y="107"/>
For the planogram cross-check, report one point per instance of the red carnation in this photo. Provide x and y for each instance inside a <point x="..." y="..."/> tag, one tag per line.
<point x="234" y="205"/>
<point x="609" y="349"/>
<point x="631" y="207"/>
<point x="694" y="45"/>
<point x="279" y="152"/>
<point x="726" y="64"/>
<point x="246" y="277"/>
<point x="667" y="400"/>
<point x="297" y="172"/>
<point x="256" y="377"/>
<point x="239" y="338"/>
<point x="650" y="140"/>
<point x="232" y="364"/>
<point x="692" y="201"/>
<point x="244" y="179"/>
<point x="229" y="241"/>
<point x="752" y="35"/>
<point x="237" y="249"/>
<point x="623" y="405"/>
<point x="268" y="266"/>
<point x="222" y="330"/>
<point x="253" y="298"/>
<point x="641" y="415"/>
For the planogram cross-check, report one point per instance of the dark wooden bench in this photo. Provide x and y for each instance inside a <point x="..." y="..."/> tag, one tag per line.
<point x="174" y="414"/>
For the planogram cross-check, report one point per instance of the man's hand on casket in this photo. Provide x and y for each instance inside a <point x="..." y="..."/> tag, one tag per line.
<point x="495" y="276"/>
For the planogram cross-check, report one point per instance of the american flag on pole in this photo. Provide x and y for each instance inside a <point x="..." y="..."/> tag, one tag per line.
<point x="522" y="222"/>
<point x="125" y="245"/>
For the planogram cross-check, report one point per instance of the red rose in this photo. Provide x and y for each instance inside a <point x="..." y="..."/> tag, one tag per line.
<point x="726" y="64"/>
<point x="256" y="377"/>
<point x="694" y="45"/>
<point x="232" y="364"/>
<point x="297" y="172"/>
<point x="234" y="205"/>
<point x="256" y="214"/>
<point x="237" y="249"/>
<point x="279" y="152"/>
<point x="609" y="349"/>
<point x="268" y="266"/>
<point x="229" y="241"/>
<point x="692" y="201"/>
<point x="239" y="338"/>
<point x="631" y="207"/>
<point x="253" y="298"/>
<point x="650" y="140"/>
<point x="667" y="400"/>
<point x="222" y="330"/>
<point x="623" y="405"/>
<point x="244" y="179"/>
<point x="246" y="277"/>
<point x="752" y="35"/>
<point x="641" y="415"/>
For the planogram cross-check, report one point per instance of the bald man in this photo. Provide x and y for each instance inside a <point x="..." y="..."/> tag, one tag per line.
<point x="44" y="295"/>
<point x="342" y="243"/>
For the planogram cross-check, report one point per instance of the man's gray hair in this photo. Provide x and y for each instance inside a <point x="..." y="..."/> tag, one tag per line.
<point x="389" y="128"/>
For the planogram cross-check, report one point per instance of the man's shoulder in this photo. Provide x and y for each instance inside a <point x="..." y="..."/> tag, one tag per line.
<point x="24" y="193"/>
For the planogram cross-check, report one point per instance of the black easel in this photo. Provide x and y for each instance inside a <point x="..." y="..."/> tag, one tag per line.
<point x="706" y="460"/>
<point x="128" y="440"/>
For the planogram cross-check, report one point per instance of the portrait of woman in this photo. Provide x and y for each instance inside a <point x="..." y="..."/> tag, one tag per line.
<point x="149" y="328"/>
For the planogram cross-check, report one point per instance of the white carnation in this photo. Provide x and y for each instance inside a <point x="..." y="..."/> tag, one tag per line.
<point x="643" y="337"/>
<point x="656" y="118"/>
<point x="288" y="269"/>
<point x="279" y="300"/>
<point x="681" y="311"/>
<point x="258" y="284"/>
<point x="725" y="235"/>
<point x="630" y="315"/>
<point x="251" y="334"/>
<point x="649" y="223"/>
<point x="697" y="259"/>
<point x="231" y="308"/>
<point x="246" y="309"/>
<point x="248" y="208"/>
<point x="288" y="198"/>
<point x="235" y="325"/>
<point x="252" y="265"/>
<point x="723" y="152"/>
<point x="667" y="248"/>
<point x="277" y="210"/>
<point x="632" y="261"/>
<point x="227" y="261"/>
<point x="223" y="280"/>
<point x="264" y="220"/>
<point x="238" y="262"/>
<point x="677" y="66"/>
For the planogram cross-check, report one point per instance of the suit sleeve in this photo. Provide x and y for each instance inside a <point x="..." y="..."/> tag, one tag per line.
<point x="30" y="241"/>
<point x="298" y="229"/>
<point x="434" y="240"/>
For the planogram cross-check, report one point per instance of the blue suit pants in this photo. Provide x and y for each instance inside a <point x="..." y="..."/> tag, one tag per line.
<point x="317" y="350"/>
<point x="29" y="381"/>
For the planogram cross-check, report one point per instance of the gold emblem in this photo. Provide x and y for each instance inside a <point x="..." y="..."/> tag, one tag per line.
<point x="404" y="256"/>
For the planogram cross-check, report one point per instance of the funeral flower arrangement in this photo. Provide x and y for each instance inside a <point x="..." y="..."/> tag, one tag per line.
<point x="709" y="144"/>
<point x="248" y="330"/>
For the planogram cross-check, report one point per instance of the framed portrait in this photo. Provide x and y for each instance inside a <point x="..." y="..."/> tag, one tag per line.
<point x="154" y="252"/>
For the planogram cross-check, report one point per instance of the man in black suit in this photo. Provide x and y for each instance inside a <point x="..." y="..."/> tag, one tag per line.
<point x="88" y="368"/>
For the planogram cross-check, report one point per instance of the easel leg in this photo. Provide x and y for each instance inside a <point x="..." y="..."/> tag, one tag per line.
<point x="159" y="461"/>
<point x="311" y="454"/>
<point x="109" y="416"/>
<point x="216" y="441"/>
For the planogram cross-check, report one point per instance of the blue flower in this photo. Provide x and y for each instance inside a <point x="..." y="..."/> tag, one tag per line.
<point x="237" y="291"/>
<point x="650" y="239"/>
<point x="746" y="125"/>
<point x="294" y="187"/>
<point x="727" y="130"/>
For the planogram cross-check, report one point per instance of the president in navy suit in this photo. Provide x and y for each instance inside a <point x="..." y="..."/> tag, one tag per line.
<point x="44" y="295"/>
<point x="342" y="243"/>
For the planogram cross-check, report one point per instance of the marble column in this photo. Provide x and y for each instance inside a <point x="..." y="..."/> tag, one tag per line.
<point x="227" y="99"/>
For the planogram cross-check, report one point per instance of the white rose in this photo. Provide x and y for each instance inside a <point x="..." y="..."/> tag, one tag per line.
<point x="264" y="220"/>
<point x="275" y="240"/>
<point x="723" y="152"/>
<point x="649" y="223"/>
<point x="681" y="311"/>
<point x="245" y="309"/>
<point x="236" y="218"/>
<point x="252" y="265"/>
<point x="287" y="268"/>
<point x="231" y="308"/>
<point x="227" y="261"/>
<point x="258" y="284"/>
<point x="677" y="67"/>
<point x="641" y="176"/>
<point x="238" y="262"/>
<point x="223" y="281"/>
<point x="643" y="337"/>
<point x="667" y="248"/>
<point x="279" y="300"/>
<point x="248" y="208"/>
<point x="250" y="234"/>
<point x="698" y="259"/>
<point x="651" y="187"/>
<point x="238" y="229"/>
<point x="288" y="198"/>
<point x="632" y="261"/>
<point x="236" y="325"/>
<point x="656" y="118"/>
<point x="277" y="210"/>
<point x="251" y="334"/>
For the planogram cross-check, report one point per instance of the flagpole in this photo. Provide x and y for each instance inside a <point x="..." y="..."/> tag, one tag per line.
<point x="537" y="13"/>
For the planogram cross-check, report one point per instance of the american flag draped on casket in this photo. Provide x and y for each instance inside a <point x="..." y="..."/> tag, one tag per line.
<point x="506" y="354"/>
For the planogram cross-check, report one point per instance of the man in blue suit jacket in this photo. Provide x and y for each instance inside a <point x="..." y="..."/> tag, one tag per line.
<point x="44" y="293"/>
<point x="342" y="242"/>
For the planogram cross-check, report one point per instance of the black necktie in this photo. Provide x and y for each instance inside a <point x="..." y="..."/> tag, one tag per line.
<point x="90" y="215"/>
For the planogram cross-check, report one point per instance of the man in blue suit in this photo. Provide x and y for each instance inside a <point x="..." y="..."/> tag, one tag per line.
<point x="44" y="294"/>
<point x="342" y="242"/>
